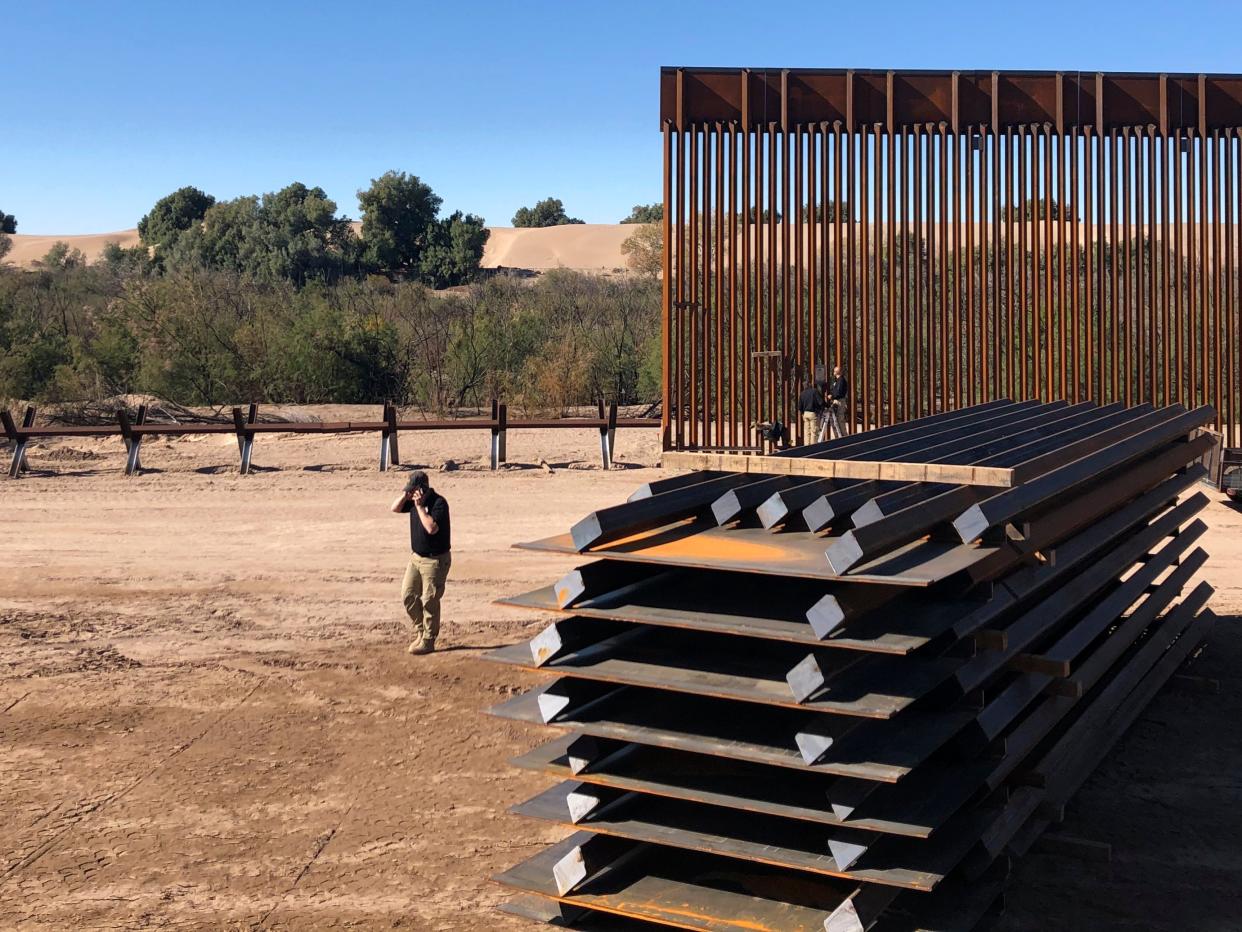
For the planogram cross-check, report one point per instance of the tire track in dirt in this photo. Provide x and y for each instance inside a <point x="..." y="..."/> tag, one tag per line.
<point x="79" y="815"/>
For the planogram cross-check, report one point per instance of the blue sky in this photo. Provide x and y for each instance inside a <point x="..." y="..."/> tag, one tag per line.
<point x="105" y="107"/>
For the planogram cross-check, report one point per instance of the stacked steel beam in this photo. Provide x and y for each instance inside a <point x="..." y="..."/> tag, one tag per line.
<point x="797" y="703"/>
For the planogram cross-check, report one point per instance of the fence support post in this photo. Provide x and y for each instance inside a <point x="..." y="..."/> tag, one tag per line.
<point x="138" y="422"/>
<point x="612" y="431"/>
<point x="394" y="452"/>
<point x="245" y="438"/>
<point x="28" y="420"/>
<point x="607" y="429"/>
<point x="127" y="438"/>
<point x="500" y="417"/>
<point x="132" y="441"/>
<point x="385" y="449"/>
<point x="495" y="447"/>
<point x="504" y="432"/>
<point x="19" y="444"/>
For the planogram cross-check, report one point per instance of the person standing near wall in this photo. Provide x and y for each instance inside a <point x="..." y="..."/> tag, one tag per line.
<point x="811" y="407"/>
<point x="838" y="402"/>
<point x="430" y="558"/>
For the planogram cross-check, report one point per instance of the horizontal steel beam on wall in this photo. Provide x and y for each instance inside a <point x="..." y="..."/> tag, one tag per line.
<point x="998" y="100"/>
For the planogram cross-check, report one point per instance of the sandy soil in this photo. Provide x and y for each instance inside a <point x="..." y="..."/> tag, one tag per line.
<point x="28" y="248"/>
<point x="583" y="246"/>
<point x="208" y="721"/>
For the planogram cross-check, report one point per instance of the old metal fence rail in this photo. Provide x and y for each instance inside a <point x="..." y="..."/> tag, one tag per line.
<point x="949" y="238"/>
<point x="246" y="426"/>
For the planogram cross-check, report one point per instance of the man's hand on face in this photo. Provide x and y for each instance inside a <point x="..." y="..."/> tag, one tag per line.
<point x="417" y="497"/>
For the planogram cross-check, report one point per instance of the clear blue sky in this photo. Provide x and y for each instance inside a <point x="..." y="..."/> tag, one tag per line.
<point x="105" y="107"/>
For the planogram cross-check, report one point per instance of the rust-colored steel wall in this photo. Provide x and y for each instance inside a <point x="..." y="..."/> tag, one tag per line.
<point x="948" y="238"/>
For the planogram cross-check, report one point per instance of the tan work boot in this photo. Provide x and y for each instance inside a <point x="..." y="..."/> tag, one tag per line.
<point x="421" y="646"/>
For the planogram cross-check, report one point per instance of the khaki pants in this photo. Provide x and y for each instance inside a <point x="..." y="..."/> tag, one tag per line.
<point x="810" y="427"/>
<point x="421" y="591"/>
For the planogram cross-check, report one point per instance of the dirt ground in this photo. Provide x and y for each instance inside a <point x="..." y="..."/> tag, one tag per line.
<point x="208" y="720"/>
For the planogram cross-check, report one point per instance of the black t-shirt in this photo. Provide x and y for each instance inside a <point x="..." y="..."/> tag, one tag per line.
<point x="840" y="388"/>
<point x="811" y="399"/>
<point x="422" y="543"/>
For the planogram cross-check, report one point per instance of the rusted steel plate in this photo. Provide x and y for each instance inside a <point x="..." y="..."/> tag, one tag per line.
<point x="885" y="752"/>
<point x="707" y="665"/>
<point x="681" y="889"/>
<point x="754" y="550"/>
<point x="914" y="864"/>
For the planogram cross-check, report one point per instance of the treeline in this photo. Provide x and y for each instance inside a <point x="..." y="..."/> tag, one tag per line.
<point x="276" y="298"/>
<point x="295" y="235"/>
<point x="71" y="331"/>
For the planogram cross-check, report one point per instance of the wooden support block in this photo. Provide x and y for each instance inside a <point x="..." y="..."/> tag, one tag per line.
<point x="881" y="470"/>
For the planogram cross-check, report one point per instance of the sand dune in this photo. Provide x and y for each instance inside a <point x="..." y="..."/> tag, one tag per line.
<point x="28" y="249"/>
<point x="586" y="247"/>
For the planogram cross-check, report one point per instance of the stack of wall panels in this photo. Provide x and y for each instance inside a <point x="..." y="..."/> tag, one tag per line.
<point x="792" y="703"/>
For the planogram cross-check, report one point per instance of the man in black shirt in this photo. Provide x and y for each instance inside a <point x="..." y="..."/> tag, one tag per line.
<point x="838" y="402"/>
<point x="430" y="559"/>
<point x="811" y="406"/>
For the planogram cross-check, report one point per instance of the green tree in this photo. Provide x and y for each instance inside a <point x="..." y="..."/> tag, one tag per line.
<point x="1040" y="208"/>
<point x="291" y="235"/>
<point x="226" y="239"/>
<point x="644" y="249"/>
<point x="549" y="212"/>
<point x="828" y="212"/>
<point x="122" y="260"/>
<point x="8" y="224"/>
<point x="645" y="213"/>
<point x="454" y="251"/>
<point x="398" y="223"/>
<point x="61" y="256"/>
<point x="173" y="215"/>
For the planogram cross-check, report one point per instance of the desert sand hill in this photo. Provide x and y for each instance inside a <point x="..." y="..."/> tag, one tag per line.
<point x="587" y="247"/>
<point x="29" y="248"/>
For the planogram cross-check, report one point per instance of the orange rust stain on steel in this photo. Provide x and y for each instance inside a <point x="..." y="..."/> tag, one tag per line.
<point x="702" y="546"/>
<point x="667" y="910"/>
